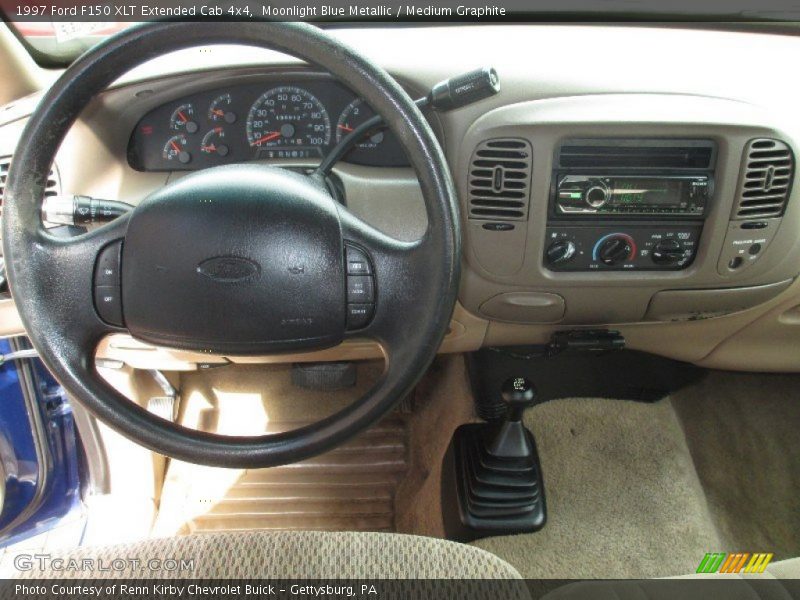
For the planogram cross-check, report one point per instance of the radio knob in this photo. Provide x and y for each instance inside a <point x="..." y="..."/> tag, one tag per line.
<point x="667" y="252"/>
<point x="616" y="249"/>
<point x="597" y="195"/>
<point x="560" y="251"/>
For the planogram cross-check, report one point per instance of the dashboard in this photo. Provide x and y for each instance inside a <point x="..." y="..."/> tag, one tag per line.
<point x="293" y="117"/>
<point x="611" y="189"/>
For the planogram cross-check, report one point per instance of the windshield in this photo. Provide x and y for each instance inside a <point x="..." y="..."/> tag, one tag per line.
<point x="62" y="42"/>
<point x="55" y="41"/>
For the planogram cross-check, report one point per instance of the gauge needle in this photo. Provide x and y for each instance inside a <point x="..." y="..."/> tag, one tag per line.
<point x="346" y="128"/>
<point x="182" y="116"/>
<point x="265" y="138"/>
<point x="175" y="145"/>
<point x="211" y="148"/>
<point x="216" y="111"/>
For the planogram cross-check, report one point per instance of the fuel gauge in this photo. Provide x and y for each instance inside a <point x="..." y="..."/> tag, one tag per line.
<point x="219" y="110"/>
<point x="175" y="149"/>
<point x="214" y="142"/>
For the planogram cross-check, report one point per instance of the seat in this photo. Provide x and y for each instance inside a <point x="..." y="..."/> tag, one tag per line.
<point x="286" y="555"/>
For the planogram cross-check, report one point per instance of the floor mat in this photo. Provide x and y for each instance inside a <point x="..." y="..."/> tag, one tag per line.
<point x="622" y="494"/>
<point x="350" y="488"/>
<point x="744" y="434"/>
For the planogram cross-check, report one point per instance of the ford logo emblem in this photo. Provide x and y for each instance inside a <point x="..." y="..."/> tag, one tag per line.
<point x="229" y="269"/>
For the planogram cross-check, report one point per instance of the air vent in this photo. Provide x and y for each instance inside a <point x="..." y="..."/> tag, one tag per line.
<point x="500" y="180"/>
<point x="52" y="188"/>
<point x="768" y="169"/>
<point x="5" y="162"/>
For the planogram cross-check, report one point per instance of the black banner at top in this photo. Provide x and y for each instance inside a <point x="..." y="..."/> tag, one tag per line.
<point x="105" y="11"/>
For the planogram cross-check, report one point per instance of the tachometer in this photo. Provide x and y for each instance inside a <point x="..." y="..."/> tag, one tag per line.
<point x="288" y="122"/>
<point x="353" y="115"/>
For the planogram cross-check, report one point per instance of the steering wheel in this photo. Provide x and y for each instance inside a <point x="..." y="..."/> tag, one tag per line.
<point x="236" y="259"/>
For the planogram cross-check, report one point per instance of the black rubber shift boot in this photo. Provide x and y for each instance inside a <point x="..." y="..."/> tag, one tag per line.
<point x="484" y="495"/>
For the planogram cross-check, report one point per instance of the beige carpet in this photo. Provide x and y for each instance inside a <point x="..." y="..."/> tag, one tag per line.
<point x="623" y="497"/>
<point x="744" y="433"/>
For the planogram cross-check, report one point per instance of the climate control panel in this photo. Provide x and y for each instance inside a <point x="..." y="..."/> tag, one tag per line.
<point x="620" y="247"/>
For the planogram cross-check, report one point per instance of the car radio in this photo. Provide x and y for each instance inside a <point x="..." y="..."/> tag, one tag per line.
<point x="628" y="204"/>
<point x="621" y="195"/>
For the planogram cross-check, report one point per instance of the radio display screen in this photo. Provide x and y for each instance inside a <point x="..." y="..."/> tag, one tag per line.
<point x="649" y="192"/>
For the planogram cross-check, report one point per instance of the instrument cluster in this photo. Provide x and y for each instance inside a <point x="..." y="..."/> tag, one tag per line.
<point x="295" y="118"/>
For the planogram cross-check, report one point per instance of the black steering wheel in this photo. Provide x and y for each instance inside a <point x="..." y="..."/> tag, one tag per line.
<point x="236" y="260"/>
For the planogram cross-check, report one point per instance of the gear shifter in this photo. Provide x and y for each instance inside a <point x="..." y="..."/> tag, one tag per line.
<point x="492" y="482"/>
<point x="510" y="438"/>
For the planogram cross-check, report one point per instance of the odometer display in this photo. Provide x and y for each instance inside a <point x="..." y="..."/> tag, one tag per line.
<point x="288" y="122"/>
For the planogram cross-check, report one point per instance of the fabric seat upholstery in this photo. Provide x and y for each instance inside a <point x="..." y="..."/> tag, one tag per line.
<point x="256" y="555"/>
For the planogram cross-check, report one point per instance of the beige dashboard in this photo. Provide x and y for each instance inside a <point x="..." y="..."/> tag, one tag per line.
<point x="636" y="82"/>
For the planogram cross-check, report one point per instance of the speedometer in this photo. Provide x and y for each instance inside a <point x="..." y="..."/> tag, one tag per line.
<point x="288" y="122"/>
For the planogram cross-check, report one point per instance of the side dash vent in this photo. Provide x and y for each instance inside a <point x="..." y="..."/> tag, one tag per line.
<point x="5" y="163"/>
<point x="500" y="180"/>
<point x="52" y="187"/>
<point x="768" y="170"/>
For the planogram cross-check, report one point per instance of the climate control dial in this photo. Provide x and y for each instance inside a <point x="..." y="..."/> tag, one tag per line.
<point x="669" y="252"/>
<point x="614" y="249"/>
<point x="560" y="251"/>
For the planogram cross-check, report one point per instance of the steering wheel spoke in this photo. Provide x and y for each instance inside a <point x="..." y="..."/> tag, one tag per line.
<point x="67" y="275"/>
<point x="383" y="275"/>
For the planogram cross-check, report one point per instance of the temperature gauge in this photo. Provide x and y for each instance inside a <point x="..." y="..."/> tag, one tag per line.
<point x="214" y="142"/>
<point x="175" y="149"/>
<point x="219" y="110"/>
<point x="182" y="119"/>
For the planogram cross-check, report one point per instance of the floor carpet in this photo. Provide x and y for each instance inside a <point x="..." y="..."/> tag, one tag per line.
<point x="622" y="494"/>
<point x="743" y="431"/>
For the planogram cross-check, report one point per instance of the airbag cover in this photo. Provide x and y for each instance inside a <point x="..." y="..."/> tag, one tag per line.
<point x="239" y="259"/>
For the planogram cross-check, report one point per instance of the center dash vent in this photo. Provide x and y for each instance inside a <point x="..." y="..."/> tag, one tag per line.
<point x="52" y="188"/>
<point x="768" y="168"/>
<point x="500" y="180"/>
